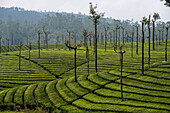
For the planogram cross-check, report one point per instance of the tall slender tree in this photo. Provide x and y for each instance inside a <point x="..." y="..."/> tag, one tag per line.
<point x="87" y="58"/>
<point x="46" y="36"/>
<point x="38" y="43"/>
<point x="166" y="48"/>
<point x="159" y="36"/>
<point x="7" y="42"/>
<point x="155" y="17"/>
<point x="29" y="51"/>
<point x="110" y="33"/>
<point x="0" y="43"/>
<point x="132" y="43"/>
<point x="163" y="34"/>
<point x="12" y="38"/>
<point x="156" y="39"/>
<point x="90" y="37"/>
<point x="117" y="27"/>
<point x="137" y="38"/>
<point x="123" y="37"/>
<point x="95" y="16"/>
<point x="20" y="48"/>
<point x="114" y="37"/>
<point x="144" y="21"/>
<point x="69" y="36"/>
<point x="85" y="34"/>
<point x="102" y="42"/>
<point x="57" y="41"/>
<point x="75" y="57"/>
<point x="149" y="57"/>
<point x="106" y="28"/>
<point x="121" y="69"/>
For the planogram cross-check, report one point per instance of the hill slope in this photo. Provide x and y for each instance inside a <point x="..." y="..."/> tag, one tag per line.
<point x="97" y="92"/>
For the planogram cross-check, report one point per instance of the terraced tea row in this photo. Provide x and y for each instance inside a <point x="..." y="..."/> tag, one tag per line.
<point x="11" y="76"/>
<point x="96" y="93"/>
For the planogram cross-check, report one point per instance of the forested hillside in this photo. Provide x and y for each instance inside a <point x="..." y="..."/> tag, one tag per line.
<point x="19" y="25"/>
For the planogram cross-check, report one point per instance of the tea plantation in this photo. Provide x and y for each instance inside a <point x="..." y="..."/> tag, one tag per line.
<point x="48" y="83"/>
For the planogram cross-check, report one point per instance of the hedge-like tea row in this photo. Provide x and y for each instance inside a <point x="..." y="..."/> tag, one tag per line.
<point x="95" y="93"/>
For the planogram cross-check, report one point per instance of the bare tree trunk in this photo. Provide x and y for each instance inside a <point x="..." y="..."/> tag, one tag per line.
<point x="12" y="39"/>
<point x="143" y="35"/>
<point x="98" y="37"/>
<point x="0" y="44"/>
<point x="20" y="47"/>
<point x="119" y="39"/>
<point x="69" y="38"/>
<point x="8" y="44"/>
<point x="149" y="44"/>
<point x="75" y="66"/>
<point x="123" y="35"/>
<point x="84" y="41"/>
<point x="101" y="38"/>
<point x="87" y="57"/>
<point x="156" y="39"/>
<point x="132" y="45"/>
<point x="162" y="35"/>
<point x="105" y="40"/>
<point x="137" y="41"/>
<point x="110" y="37"/>
<point x="29" y="52"/>
<point x="153" y="35"/>
<point x="121" y="68"/>
<point x="95" y="45"/>
<point x="116" y="38"/>
<point x="90" y="39"/>
<point x="38" y="44"/>
<point x="166" y="44"/>
<point x="159" y="37"/>
<point x="75" y="41"/>
<point x="44" y="44"/>
<point x="46" y="35"/>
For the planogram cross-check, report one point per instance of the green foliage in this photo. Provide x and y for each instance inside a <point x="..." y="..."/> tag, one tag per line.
<point x="156" y="16"/>
<point x="167" y="2"/>
<point x="94" y="14"/>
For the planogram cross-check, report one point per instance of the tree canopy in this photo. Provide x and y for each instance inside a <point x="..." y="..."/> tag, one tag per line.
<point x="167" y="2"/>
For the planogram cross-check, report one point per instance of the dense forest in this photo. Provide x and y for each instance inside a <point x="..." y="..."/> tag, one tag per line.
<point x="17" y="24"/>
